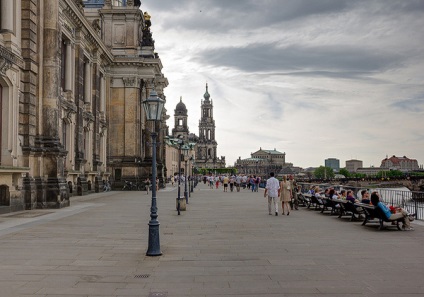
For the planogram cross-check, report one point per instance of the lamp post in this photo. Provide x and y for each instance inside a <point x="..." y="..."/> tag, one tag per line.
<point x="153" y="107"/>
<point x="186" y="150"/>
<point x="192" y="177"/>
<point x="180" y="144"/>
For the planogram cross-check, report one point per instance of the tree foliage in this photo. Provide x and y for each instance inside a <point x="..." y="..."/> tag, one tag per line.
<point x="344" y="172"/>
<point x="390" y="173"/>
<point x="229" y="170"/>
<point x="324" y="172"/>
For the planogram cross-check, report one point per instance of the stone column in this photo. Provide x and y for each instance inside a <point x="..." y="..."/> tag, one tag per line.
<point x="102" y="95"/>
<point x="87" y="82"/>
<point x="68" y="74"/>
<point x="6" y="16"/>
<point x="73" y="70"/>
<point x="51" y="63"/>
<point x="53" y="184"/>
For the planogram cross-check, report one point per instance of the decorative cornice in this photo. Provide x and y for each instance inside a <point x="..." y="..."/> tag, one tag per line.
<point x="7" y="59"/>
<point x="76" y="16"/>
<point x="68" y="106"/>
<point x="130" y="81"/>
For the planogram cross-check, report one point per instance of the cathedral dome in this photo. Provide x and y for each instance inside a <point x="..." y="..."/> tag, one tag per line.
<point x="181" y="108"/>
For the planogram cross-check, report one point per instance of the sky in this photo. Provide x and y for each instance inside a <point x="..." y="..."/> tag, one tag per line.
<point x="315" y="79"/>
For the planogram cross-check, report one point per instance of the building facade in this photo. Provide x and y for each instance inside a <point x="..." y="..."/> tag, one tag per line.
<point x="353" y="165"/>
<point x="180" y="156"/>
<point x="73" y="75"/>
<point x="371" y="171"/>
<point x="262" y="162"/>
<point x="180" y="129"/>
<point x="207" y="145"/>
<point x="332" y="163"/>
<point x="400" y="163"/>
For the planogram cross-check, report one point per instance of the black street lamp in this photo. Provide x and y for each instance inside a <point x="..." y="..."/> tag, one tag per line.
<point x="180" y="144"/>
<point x="153" y="107"/>
<point x="192" y="177"/>
<point x="186" y="151"/>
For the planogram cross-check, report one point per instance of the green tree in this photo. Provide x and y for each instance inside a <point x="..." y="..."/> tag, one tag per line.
<point x="390" y="173"/>
<point x="324" y="172"/>
<point x="344" y="172"/>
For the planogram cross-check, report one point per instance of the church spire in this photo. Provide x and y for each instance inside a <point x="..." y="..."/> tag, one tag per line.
<point x="206" y="96"/>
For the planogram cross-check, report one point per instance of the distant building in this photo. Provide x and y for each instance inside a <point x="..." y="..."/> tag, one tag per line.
<point x="400" y="163"/>
<point x="370" y="171"/>
<point x="173" y="157"/>
<point x="206" y="156"/>
<point x="262" y="162"/>
<point x="333" y="163"/>
<point x="180" y="129"/>
<point x="353" y="165"/>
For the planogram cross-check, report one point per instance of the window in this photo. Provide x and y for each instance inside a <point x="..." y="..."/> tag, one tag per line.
<point x="64" y="133"/>
<point x="119" y="2"/>
<point x="118" y="174"/>
<point x="63" y="65"/>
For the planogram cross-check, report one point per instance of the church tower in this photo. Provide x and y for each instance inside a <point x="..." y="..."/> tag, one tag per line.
<point x="207" y="145"/>
<point x="180" y="125"/>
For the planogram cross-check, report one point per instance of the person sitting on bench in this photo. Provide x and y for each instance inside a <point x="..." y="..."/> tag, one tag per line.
<point x="365" y="197"/>
<point x="400" y="212"/>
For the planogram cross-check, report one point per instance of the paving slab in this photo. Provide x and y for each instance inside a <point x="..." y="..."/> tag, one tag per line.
<point x="224" y="244"/>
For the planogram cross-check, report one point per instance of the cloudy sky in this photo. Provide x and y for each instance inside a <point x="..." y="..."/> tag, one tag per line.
<point x="312" y="78"/>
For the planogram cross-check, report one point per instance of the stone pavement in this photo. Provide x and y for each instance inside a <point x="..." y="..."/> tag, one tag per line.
<point x="225" y="244"/>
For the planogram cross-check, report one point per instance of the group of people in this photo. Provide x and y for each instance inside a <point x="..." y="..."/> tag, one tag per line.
<point x="282" y="192"/>
<point x="148" y="185"/>
<point x="373" y="198"/>
<point x="233" y="182"/>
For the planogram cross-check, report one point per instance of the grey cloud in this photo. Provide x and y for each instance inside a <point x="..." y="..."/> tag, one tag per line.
<point x="321" y="60"/>
<point x="412" y="105"/>
<point x="356" y="75"/>
<point x="218" y="15"/>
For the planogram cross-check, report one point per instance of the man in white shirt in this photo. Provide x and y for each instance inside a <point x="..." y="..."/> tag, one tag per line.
<point x="272" y="188"/>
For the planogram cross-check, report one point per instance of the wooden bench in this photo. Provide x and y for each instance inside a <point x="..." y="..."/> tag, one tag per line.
<point x="371" y="213"/>
<point x="328" y="205"/>
<point x="317" y="202"/>
<point x="348" y="208"/>
<point x="306" y="199"/>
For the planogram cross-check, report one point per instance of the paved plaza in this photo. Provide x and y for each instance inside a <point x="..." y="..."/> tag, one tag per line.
<point x="225" y="244"/>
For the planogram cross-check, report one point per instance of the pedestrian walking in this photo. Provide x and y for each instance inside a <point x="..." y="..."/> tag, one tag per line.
<point x="225" y="183"/>
<point x="217" y="181"/>
<point x="272" y="188"/>
<point x="285" y="195"/>
<point x="293" y="186"/>
<point x="232" y="179"/>
<point x="238" y="182"/>
<point x="147" y="185"/>
<point x="257" y="182"/>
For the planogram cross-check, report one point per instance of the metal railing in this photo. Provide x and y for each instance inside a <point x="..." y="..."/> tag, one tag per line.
<point x="411" y="201"/>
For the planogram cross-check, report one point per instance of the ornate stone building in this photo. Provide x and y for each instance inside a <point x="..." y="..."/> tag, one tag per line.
<point x="180" y="129"/>
<point x="206" y="156"/>
<point x="404" y="163"/>
<point x="262" y="162"/>
<point x="73" y="75"/>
